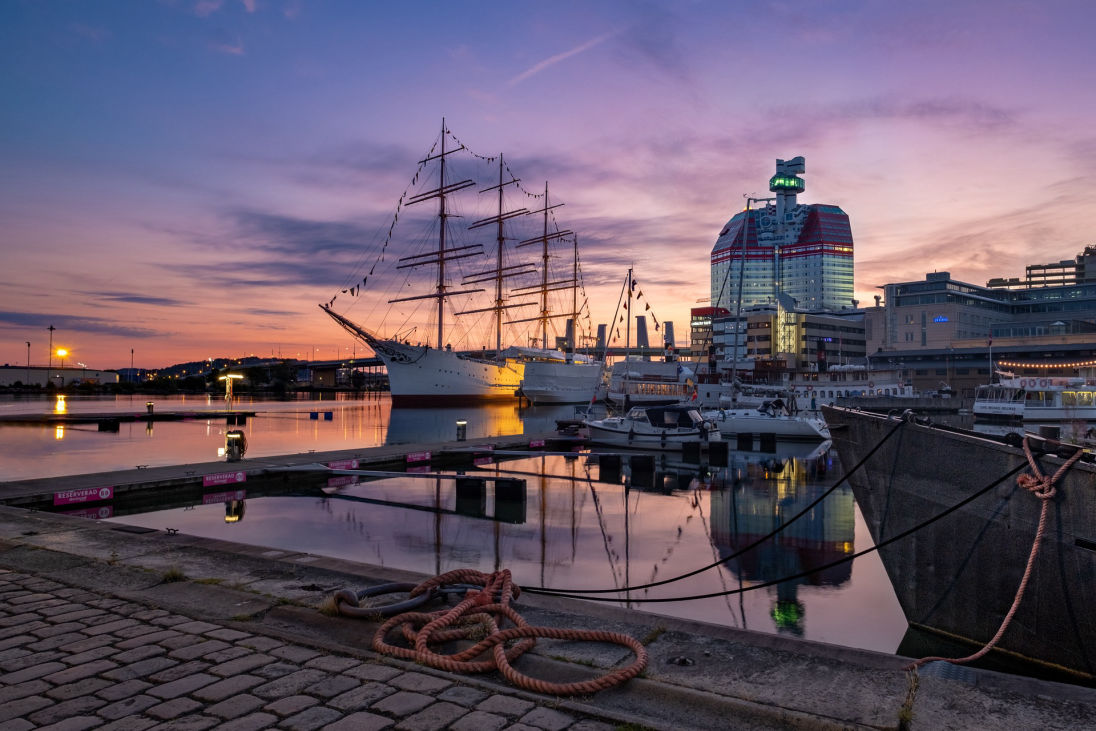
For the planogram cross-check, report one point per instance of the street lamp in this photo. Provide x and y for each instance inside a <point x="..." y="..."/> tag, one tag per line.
<point x="28" y="363"/>
<point x="61" y="353"/>
<point x="228" y="379"/>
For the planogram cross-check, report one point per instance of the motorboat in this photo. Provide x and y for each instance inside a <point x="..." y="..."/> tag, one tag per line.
<point x="654" y="427"/>
<point x="1036" y="399"/>
<point x="771" y="417"/>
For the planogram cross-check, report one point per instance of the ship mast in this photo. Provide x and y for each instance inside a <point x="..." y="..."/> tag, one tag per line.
<point x="574" y="297"/>
<point x="441" y="255"/>
<point x="500" y="272"/>
<point x="545" y="286"/>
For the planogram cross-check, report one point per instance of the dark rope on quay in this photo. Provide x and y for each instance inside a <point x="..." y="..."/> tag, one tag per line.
<point x="551" y="591"/>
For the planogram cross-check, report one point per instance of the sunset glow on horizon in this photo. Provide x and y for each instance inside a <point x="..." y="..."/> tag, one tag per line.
<point x="189" y="179"/>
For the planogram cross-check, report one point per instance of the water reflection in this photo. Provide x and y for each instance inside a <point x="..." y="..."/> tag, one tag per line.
<point x="567" y="522"/>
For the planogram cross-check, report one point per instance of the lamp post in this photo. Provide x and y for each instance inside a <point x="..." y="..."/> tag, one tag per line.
<point x="28" y="363"/>
<point x="132" y="375"/>
<point x="51" y="328"/>
<point x="61" y="353"/>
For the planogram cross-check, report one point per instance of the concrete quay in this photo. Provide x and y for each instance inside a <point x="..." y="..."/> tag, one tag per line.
<point x="105" y="627"/>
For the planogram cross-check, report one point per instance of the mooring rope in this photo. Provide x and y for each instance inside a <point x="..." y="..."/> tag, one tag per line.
<point x="1042" y="487"/>
<point x="477" y="619"/>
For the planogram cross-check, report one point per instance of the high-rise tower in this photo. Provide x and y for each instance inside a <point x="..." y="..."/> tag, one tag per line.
<point x="802" y="250"/>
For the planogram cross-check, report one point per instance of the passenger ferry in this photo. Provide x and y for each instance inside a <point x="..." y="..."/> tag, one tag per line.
<point x="1037" y="399"/>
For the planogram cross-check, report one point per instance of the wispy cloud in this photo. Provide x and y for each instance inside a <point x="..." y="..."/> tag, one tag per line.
<point x="75" y="324"/>
<point x="553" y="60"/>
<point x="249" y="5"/>
<point x="96" y="34"/>
<point x="232" y="49"/>
<point x="205" y="8"/>
<point x="137" y="299"/>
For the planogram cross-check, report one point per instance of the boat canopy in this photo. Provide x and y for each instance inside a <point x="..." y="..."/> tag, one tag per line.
<point x="675" y="415"/>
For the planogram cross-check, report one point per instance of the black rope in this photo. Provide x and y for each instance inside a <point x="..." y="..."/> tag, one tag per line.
<point x="808" y="572"/>
<point x="736" y="554"/>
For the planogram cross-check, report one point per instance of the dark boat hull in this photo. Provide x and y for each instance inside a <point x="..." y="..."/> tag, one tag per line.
<point x="959" y="575"/>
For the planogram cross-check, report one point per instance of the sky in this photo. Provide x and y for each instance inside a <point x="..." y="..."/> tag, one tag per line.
<point x="187" y="179"/>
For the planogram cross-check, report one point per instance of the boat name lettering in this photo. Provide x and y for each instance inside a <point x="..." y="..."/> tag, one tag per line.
<point x="418" y="457"/>
<point x="223" y="478"/>
<point x="536" y="443"/>
<point x="343" y="464"/>
<point x="84" y="495"/>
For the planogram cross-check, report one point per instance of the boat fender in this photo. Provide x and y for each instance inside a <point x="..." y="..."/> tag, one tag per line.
<point x="631" y="434"/>
<point x="722" y="415"/>
<point x="1042" y="383"/>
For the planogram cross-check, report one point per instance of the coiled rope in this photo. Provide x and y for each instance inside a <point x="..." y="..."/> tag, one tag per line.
<point x="1042" y="487"/>
<point x="477" y="619"/>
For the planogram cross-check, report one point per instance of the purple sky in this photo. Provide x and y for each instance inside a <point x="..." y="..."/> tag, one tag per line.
<point x="190" y="178"/>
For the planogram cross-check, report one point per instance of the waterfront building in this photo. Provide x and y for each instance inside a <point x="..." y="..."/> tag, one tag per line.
<point x="778" y="339"/>
<point x="945" y="331"/>
<point x="1079" y="270"/>
<point x="804" y="251"/>
<point x="700" y="331"/>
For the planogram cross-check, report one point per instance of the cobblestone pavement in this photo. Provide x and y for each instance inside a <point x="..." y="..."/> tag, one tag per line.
<point x="74" y="659"/>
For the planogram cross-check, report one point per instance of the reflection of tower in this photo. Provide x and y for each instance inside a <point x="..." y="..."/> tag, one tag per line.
<point x="822" y="536"/>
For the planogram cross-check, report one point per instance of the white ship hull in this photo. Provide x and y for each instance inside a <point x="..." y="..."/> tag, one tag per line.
<point x="548" y="382"/>
<point x="421" y="376"/>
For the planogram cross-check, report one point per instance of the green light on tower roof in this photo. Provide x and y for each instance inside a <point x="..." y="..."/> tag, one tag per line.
<point x="786" y="183"/>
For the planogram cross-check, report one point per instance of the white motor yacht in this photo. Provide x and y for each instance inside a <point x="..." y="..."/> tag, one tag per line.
<point x="772" y="417"/>
<point x="654" y="427"/>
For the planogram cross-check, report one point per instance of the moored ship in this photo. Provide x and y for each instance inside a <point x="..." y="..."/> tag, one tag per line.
<point x="971" y="531"/>
<point x="425" y="374"/>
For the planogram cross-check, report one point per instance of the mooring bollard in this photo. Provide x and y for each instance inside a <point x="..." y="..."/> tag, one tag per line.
<point x="235" y="445"/>
<point x="149" y="405"/>
<point x="462" y="430"/>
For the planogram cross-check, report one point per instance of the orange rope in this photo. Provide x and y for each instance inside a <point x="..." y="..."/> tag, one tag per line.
<point x="1043" y="488"/>
<point x="477" y="619"/>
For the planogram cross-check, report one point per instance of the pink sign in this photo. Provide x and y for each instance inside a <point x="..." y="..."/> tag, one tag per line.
<point x="536" y="443"/>
<point x="424" y="468"/>
<point x="418" y="457"/>
<point x="213" y="498"/>
<point x="86" y="495"/>
<point x="342" y="480"/>
<point x="223" y="478"/>
<point x="101" y="513"/>
<point x="343" y="464"/>
<point x="483" y="460"/>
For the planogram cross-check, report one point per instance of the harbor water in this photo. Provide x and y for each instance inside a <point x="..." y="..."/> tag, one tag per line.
<point x="575" y="525"/>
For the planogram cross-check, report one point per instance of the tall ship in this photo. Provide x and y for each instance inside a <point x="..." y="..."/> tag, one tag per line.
<point x="454" y="267"/>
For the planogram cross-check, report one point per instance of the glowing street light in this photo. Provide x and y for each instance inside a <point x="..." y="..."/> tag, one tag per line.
<point x="61" y="353"/>
<point x="228" y="379"/>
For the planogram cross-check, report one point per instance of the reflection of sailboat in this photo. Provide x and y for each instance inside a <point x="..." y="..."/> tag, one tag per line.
<point x="423" y="375"/>
<point x="424" y="426"/>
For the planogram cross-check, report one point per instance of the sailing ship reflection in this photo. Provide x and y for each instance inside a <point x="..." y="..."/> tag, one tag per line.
<point x="753" y="509"/>
<point x="426" y="426"/>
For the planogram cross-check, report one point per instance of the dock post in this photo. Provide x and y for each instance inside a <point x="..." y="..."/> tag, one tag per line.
<point x="717" y="453"/>
<point x="510" y="500"/>
<point x="768" y="443"/>
<point x="472" y="496"/>
<point x="690" y="452"/>
<point x="744" y="442"/>
<point x="608" y="468"/>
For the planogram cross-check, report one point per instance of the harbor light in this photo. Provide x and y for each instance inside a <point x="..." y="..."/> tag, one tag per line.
<point x="228" y="379"/>
<point x="235" y="445"/>
<point x="462" y="430"/>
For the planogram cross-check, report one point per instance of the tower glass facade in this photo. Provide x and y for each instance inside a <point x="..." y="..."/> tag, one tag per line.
<point x="802" y="250"/>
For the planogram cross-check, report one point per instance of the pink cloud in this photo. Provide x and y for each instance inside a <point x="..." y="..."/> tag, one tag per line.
<point x="205" y="8"/>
